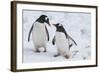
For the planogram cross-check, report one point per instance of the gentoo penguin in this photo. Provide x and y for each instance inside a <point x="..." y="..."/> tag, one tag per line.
<point x="61" y="39"/>
<point x="40" y="33"/>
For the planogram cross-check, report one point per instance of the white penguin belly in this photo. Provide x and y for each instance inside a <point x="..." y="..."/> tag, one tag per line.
<point x="62" y="43"/>
<point x="39" y="35"/>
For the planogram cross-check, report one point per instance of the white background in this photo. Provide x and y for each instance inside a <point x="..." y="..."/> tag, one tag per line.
<point x="5" y="37"/>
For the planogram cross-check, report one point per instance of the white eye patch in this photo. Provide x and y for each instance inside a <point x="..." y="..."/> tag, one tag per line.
<point x="60" y="25"/>
<point x="46" y="18"/>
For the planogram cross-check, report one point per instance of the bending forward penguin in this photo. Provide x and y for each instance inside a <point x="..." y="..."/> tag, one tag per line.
<point x="61" y="39"/>
<point x="40" y="33"/>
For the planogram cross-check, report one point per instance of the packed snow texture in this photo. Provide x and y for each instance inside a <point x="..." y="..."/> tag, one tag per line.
<point x="77" y="25"/>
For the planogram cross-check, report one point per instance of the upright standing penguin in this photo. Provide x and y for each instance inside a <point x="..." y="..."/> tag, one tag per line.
<point x="40" y="33"/>
<point x="61" y="39"/>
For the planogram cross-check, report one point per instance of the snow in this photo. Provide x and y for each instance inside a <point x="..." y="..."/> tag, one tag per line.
<point x="77" y="25"/>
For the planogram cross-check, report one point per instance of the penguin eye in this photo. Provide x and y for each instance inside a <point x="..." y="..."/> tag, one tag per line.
<point x="46" y="18"/>
<point x="58" y="24"/>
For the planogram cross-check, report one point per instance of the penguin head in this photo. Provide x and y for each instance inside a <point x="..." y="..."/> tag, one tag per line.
<point x="57" y="25"/>
<point x="43" y="19"/>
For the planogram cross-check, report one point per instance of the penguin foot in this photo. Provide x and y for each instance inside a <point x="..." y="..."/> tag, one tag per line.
<point x="45" y="51"/>
<point x="66" y="56"/>
<point x="57" y="55"/>
<point x="37" y="51"/>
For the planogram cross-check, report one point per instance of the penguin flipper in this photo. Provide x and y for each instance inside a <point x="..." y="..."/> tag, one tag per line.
<point x="47" y="33"/>
<point x="53" y="41"/>
<point x="70" y="46"/>
<point x="30" y="33"/>
<point x="72" y="40"/>
<point x="67" y="36"/>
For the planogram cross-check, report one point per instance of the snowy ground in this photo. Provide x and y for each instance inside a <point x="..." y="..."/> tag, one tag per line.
<point x="77" y="25"/>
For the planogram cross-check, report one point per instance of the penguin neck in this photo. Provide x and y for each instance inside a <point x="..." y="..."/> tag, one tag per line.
<point x="39" y="25"/>
<point x="60" y="29"/>
<point x="40" y="20"/>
